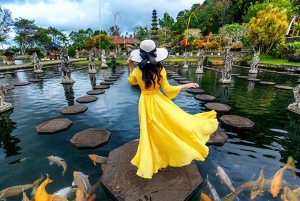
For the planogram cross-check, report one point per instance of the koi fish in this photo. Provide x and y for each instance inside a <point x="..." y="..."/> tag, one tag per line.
<point x="79" y="195"/>
<point x="59" y="161"/>
<point x="204" y="197"/>
<point x="57" y="198"/>
<point x="95" y="186"/>
<point x="292" y="164"/>
<point x="65" y="192"/>
<point x="82" y="182"/>
<point x="225" y="179"/>
<point x="25" y="198"/>
<point x="297" y="191"/>
<point x="288" y="195"/>
<point x="16" y="190"/>
<point x="92" y="197"/>
<point x="97" y="159"/>
<point x="276" y="183"/>
<point x="41" y="193"/>
<point x="231" y="196"/>
<point x="249" y="185"/>
<point x="212" y="191"/>
<point x="258" y="185"/>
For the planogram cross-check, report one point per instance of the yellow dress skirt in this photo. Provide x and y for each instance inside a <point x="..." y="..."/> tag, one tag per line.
<point x="168" y="135"/>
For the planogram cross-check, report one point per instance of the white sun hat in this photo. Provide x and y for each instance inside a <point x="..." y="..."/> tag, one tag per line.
<point x="148" y="53"/>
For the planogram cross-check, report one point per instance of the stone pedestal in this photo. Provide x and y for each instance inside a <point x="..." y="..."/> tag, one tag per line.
<point x="67" y="81"/>
<point x="293" y="108"/>
<point x="5" y="107"/>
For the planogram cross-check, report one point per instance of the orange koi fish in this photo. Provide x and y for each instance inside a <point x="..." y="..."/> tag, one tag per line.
<point x="41" y="193"/>
<point x="212" y="191"/>
<point x="16" y="190"/>
<point x="231" y="196"/>
<point x="59" y="161"/>
<point x="204" y="197"/>
<point x="258" y="185"/>
<point x="82" y="181"/>
<point x="225" y="179"/>
<point x="97" y="159"/>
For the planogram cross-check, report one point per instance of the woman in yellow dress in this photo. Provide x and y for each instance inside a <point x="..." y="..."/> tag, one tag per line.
<point x="168" y="135"/>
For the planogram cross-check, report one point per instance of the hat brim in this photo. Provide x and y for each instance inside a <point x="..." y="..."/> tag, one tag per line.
<point x="162" y="54"/>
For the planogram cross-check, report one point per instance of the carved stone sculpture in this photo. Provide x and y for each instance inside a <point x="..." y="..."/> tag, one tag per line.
<point x="36" y="64"/>
<point x="65" y="69"/>
<point x="186" y="57"/>
<point x="295" y="107"/>
<point x="201" y="58"/>
<point x="91" y="63"/>
<point x="254" y="65"/>
<point x="4" y="106"/>
<point x="227" y="68"/>
<point x="103" y="59"/>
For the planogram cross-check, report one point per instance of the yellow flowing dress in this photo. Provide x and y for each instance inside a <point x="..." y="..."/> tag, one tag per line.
<point x="168" y="135"/>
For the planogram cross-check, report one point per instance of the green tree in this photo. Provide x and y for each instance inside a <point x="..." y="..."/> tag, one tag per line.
<point x="41" y="37"/>
<point x="267" y="28"/>
<point x="141" y="33"/>
<point x="6" y="23"/>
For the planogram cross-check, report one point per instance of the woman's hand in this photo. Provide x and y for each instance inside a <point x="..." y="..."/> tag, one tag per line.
<point x="189" y="85"/>
<point x="130" y="64"/>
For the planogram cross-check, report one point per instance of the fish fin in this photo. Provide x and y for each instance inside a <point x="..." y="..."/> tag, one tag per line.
<point x="261" y="193"/>
<point x="94" y="163"/>
<point x="73" y="184"/>
<point x="63" y="173"/>
<point x="51" y="163"/>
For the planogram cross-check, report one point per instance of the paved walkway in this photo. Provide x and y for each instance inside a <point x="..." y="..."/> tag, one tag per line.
<point x="30" y="65"/>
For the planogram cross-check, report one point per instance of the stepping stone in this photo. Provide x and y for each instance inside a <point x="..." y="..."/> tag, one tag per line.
<point x="219" y="107"/>
<point x="184" y="82"/>
<point x="21" y="83"/>
<point x="179" y="78"/>
<point x="254" y="79"/>
<point x="239" y="76"/>
<point x="46" y="77"/>
<point x="54" y="126"/>
<point x="237" y="121"/>
<point x="8" y="87"/>
<point x="95" y="92"/>
<point x="2" y="76"/>
<point x="102" y="86"/>
<point x="176" y="76"/>
<point x="56" y="75"/>
<point x="283" y="87"/>
<point x="90" y="138"/>
<point x="114" y="77"/>
<point x="117" y="74"/>
<point x="204" y="97"/>
<point x="86" y="99"/>
<point x="10" y="72"/>
<point x="110" y="79"/>
<point x="74" y="109"/>
<point x="267" y="83"/>
<point x="196" y="91"/>
<point x="35" y="80"/>
<point x="106" y="83"/>
<point x="120" y="72"/>
<point x="217" y="138"/>
<point x="120" y="181"/>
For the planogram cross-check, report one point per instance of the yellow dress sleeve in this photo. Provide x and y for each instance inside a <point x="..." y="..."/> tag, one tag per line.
<point x="132" y="78"/>
<point x="170" y="91"/>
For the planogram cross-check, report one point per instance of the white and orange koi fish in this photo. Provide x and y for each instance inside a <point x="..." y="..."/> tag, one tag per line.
<point x="59" y="161"/>
<point x="258" y="185"/>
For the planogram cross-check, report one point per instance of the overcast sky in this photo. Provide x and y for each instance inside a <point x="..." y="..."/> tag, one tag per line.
<point x="72" y="15"/>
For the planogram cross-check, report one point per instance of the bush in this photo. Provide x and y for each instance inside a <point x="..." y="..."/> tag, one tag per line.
<point x="71" y="51"/>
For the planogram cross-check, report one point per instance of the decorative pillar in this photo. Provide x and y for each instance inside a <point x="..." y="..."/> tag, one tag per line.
<point x="154" y="28"/>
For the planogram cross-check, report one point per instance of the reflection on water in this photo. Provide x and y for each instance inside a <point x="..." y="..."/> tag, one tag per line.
<point x="274" y="137"/>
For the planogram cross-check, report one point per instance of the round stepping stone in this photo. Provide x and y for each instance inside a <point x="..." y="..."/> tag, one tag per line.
<point x="196" y="91"/>
<point x="8" y="87"/>
<point x="120" y="72"/>
<point x="35" y="80"/>
<point x="170" y="183"/>
<point x="114" y="76"/>
<point x="110" y="79"/>
<point x="240" y="76"/>
<point x="204" y="97"/>
<point x="86" y="99"/>
<point x="254" y="79"/>
<point x="74" y="109"/>
<point x="46" y="77"/>
<point x="219" y="107"/>
<point x="90" y="138"/>
<point x="56" y="75"/>
<point x="184" y="82"/>
<point x="176" y="76"/>
<point x="218" y="138"/>
<point x="267" y="83"/>
<point x="106" y="83"/>
<point x="54" y="126"/>
<point x="283" y="87"/>
<point x="102" y="86"/>
<point x="95" y="92"/>
<point x="179" y="78"/>
<point x="117" y="74"/>
<point x="237" y="121"/>
<point x="21" y="83"/>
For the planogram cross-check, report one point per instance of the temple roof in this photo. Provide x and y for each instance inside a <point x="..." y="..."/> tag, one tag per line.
<point x="52" y="45"/>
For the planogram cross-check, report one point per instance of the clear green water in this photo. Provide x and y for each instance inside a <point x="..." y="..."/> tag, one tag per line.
<point x="274" y="137"/>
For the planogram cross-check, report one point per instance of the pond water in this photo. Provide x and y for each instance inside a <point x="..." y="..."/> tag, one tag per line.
<point x="17" y="61"/>
<point x="23" y="151"/>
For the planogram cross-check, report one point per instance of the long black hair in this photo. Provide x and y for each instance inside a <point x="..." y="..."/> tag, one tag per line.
<point x="150" y="73"/>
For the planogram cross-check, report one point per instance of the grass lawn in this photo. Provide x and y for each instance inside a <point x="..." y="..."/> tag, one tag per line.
<point x="276" y="61"/>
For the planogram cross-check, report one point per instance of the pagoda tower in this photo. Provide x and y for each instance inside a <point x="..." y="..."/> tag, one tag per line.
<point x="154" y="28"/>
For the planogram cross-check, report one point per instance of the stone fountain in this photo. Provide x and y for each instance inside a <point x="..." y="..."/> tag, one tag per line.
<point x="103" y="59"/>
<point x="186" y="58"/>
<point x="4" y="106"/>
<point x="201" y="58"/>
<point x="254" y="65"/>
<point x="65" y="69"/>
<point x="36" y="64"/>
<point x="227" y="68"/>
<point x="91" y="63"/>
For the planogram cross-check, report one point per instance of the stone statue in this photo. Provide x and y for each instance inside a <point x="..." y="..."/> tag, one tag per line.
<point x="91" y="63"/>
<point x="201" y="58"/>
<point x="2" y="94"/>
<point x="186" y="58"/>
<point x="227" y="68"/>
<point x="296" y="92"/>
<point x="65" y="69"/>
<point x="103" y="60"/>
<point x="36" y="64"/>
<point x="254" y="65"/>
<point x="4" y="106"/>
